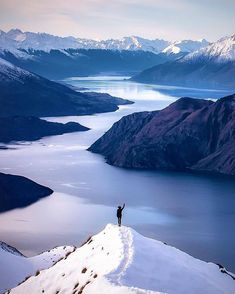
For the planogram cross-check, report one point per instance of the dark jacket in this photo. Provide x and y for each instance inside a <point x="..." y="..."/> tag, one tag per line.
<point x="119" y="210"/>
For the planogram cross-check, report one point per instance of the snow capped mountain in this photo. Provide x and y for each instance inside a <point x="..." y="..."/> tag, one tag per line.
<point x="222" y="51"/>
<point x="134" y="43"/>
<point x="210" y="67"/>
<point x="121" y="261"/>
<point x="39" y="41"/>
<point x="15" y="267"/>
<point x="185" y="46"/>
<point x="16" y="39"/>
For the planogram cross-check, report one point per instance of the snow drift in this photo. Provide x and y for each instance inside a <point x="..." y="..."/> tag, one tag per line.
<point x="15" y="267"/>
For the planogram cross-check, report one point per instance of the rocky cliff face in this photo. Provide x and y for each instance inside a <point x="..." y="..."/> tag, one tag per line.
<point x="189" y="134"/>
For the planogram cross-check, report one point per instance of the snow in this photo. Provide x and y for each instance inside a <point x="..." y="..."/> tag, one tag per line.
<point x="41" y="41"/>
<point x="119" y="260"/>
<point x="9" y="72"/>
<point x="221" y="51"/>
<point x="18" y="42"/>
<point x="185" y="46"/>
<point x="14" y="267"/>
<point x="16" y="39"/>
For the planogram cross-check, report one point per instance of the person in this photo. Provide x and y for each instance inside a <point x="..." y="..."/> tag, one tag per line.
<point x="119" y="214"/>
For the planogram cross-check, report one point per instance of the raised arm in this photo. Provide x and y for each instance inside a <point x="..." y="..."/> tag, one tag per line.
<point x="123" y="206"/>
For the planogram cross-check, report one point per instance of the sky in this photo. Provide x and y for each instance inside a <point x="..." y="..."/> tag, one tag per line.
<point x="103" y="19"/>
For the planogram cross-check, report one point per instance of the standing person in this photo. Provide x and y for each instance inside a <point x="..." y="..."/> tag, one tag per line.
<point x="119" y="214"/>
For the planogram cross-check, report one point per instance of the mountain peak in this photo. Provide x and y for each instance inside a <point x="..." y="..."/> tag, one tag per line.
<point x="186" y="46"/>
<point x="120" y="260"/>
<point x="15" y="31"/>
<point x="221" y="50"/>
<point x="16" y="34"/>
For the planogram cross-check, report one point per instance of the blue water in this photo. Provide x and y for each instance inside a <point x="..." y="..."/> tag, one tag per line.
<point x="192" y="212"/>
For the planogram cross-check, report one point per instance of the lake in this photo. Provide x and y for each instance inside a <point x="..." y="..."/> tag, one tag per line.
<point x="192" y="212"/>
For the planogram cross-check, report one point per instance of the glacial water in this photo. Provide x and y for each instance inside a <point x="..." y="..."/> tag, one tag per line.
<point x="192" y="212"/>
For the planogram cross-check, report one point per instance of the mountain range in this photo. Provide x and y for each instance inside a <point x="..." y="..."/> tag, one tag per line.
<point x="16" y="39"/>
<point x="60" y="57"/>
<point x="190" y="63"/>
<point x="121" y="261"/>
<point x="190" y="134"/>
<point x="210" y="67"/>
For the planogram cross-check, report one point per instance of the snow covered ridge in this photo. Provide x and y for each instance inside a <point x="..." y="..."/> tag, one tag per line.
<point x="121" y="261"/>
<point x="185" y="46"/>
<point x="221" y="51"/>
<point x="8" y="71"/>
<point x="16" y="39"/>
<point x="15" y="267"/>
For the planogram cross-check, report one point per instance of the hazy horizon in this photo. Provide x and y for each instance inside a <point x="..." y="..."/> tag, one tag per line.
<point x="102" y="19"/>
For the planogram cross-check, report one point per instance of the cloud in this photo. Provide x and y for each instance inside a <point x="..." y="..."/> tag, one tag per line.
<point x="115" y="18"/>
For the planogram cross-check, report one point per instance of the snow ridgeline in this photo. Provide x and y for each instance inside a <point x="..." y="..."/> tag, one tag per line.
<point x="121" y="261"/>
<point x="15" y="267"/>
<point x="16" y="39"/>
<point x="221" y="51"/>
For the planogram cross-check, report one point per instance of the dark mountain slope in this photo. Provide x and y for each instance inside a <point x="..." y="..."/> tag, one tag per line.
<point x="200" y="74"/>
<point x="189" y="134"/>
<point x="17" y="191"/>
<point x="58" y="64"/>
<point x="18" y="128"/>
<point x="210" y="67"/>
<point x="26" y="94"/>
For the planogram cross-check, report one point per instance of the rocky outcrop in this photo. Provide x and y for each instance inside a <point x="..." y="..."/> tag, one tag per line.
<point x="18" y="191"/>
<point x="189" y="134"/>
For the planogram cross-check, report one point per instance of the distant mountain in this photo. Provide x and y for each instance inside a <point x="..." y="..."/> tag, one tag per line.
<point x="18" y="191"/>
<point x="15" y="38"/>
<point x="33" y="128"/>
<point x="59" y="64"/>
<point x="221" y="51"/>
<point x="46" y="42"/>
<point x="210" y="67"/>
<point x="59" y="57"/>
<point x="26" y="94"/>
<point x="15" y="267"/>
<point x="185" y="46"/>
<point x="190" y="134"/>
<point x="118" y="260"/>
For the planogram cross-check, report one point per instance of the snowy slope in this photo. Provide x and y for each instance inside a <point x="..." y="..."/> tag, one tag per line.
<point x="133" y="43"/>
<point x="221" y="51"/>
<point x="185" y="46"/>
<point x="121" y="261"/>
<point x="9" y="72"/>
<point x="14" y="267"/>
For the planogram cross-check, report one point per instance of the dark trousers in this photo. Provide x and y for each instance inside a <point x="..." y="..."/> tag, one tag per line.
<point x="119" y="221"/>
